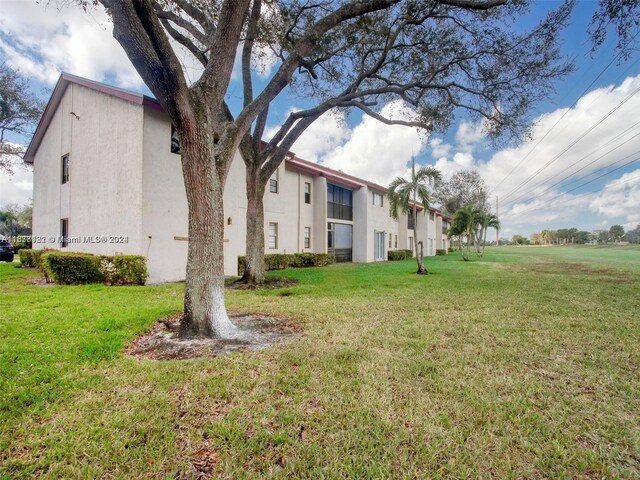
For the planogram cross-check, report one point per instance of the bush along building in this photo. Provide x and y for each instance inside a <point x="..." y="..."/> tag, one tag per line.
<point x="108" y="181"/>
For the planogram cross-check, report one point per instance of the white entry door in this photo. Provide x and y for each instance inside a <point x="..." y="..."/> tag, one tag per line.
<point x="378" y="246"/>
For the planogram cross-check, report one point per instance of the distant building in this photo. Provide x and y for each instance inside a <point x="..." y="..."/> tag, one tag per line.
<point x="107" y="180"/>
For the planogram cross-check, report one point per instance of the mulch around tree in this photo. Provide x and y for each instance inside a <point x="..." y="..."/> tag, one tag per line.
<point x="257" y="332"/>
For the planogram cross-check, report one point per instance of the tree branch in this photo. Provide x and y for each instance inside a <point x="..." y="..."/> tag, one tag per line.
<point x="473" y="4"/>
<point x="138" y="30"/>
<point x="247" y="51"/>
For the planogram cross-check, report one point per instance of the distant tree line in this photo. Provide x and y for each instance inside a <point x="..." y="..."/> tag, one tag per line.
<point x="15" y="220"/>
<point x="573" y="236"/>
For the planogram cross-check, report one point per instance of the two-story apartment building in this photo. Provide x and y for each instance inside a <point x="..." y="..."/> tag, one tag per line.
<point x="107" y="180"/>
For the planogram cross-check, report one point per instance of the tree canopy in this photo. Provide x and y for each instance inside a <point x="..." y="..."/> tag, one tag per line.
<point x="465" y="187"/>
<point x="20" y="110"/>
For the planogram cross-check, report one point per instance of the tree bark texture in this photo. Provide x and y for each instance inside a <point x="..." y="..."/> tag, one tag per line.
<point x="421" y="268"/>
<point x="205" y="314"/>
<point x="254" y="268"/>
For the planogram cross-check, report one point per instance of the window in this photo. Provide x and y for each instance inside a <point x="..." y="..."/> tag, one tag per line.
<point x="411" y="224"/>
<point x="273" y="182"/>
<point x="307" y="237"/>
<point x="339" y="202"/>
<point x="175" y="140"/>
<point x="273" y="235"/>
<point x="377" y="199"/>
<point x="64" y="232"/>
<point x="307" y="192"/>
<point x="331" y="230"/>
<point x="390" y="236"/>
<point x="411" y="243"/>
<point x="396" y="242"/>
<point x="65" y="168"/>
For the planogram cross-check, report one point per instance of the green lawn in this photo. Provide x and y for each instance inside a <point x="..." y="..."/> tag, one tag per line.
<point x="523" y="365"/>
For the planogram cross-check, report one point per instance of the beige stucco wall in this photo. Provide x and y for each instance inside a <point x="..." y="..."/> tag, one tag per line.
<point x="378" y="220"/>
<point x="164" y="207"/>
<point x="125" y="182"/>
<point x="288" y="210"/>
<point x="103" y="197"/>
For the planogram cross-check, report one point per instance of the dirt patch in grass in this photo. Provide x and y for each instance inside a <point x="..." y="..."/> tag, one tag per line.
<point x="607" y="275"/>
<point x="270" y="283"/>
<point x="257" y="332"/>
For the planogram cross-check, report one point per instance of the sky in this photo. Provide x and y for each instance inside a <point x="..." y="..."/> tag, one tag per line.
<point x="580" y="168"/>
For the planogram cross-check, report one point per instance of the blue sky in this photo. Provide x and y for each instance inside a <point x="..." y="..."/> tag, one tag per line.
<point x="42" y="41"/>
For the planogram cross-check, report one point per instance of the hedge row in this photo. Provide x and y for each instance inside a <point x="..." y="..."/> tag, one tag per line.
<point x="280" y="261"/>
<point x="32" y="258"/>
<point x="399" y="254"/>
<point x="73" y="268"/>
<point x="441" y="252"/>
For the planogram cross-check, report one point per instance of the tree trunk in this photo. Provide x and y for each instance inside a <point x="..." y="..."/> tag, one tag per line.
<point x="254" y="267"/>
<point x="421" y="268"/>
<point x="205" y="314"/>
<point x="468" y="247"/>
<point x="484" y="241"/>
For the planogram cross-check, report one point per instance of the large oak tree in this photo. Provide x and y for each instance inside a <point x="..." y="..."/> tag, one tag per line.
<point x="436" y="56"/>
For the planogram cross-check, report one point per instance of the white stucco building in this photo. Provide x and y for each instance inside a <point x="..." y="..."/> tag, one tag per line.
<point x="106" y="178"/>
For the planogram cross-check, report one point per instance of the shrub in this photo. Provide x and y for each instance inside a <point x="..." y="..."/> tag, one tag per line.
<point x="27" y="258"/>
<point x="70" y="268"/>
<point x="396" y="255"/>
<point x="108" y="269"/>
<point x="73" y="268"/>
<point x="279" y="261"/>
<point x="130" y="270"/>
<point x="21" y="246"/>
<point x="33" y="258"/>
<point x="408" y="251"/>
<point x="440" y="252"/>
<point x="452" y="250"/>
<point x="313" y="259"/>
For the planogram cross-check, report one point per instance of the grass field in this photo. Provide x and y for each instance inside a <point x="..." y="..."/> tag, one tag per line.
<point x="523" y="365"/>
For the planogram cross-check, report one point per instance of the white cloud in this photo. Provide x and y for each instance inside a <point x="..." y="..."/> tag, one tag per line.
<point x="324" y="135"/>
<point x="620" y="198"/>
<point x="16" y="188"/>
<point x="370" y="150"/>
<point x="512" y="173"/>
<point x="42" y="41"/>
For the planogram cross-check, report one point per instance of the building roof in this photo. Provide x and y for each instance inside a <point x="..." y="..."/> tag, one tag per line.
<point x="292" y="160"/>
<point x="58" y="92"/>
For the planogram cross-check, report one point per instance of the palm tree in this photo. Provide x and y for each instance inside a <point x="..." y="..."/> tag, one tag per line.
<point x="487" y="221"/>
<point x="465" y="221"/>
<point x="404" y="195"/>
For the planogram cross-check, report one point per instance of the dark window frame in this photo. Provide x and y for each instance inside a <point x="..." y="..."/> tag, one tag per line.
<point x="307" y="238"/>
<point x="339" y="202"/>
<point x="64" y="232"/>
<point x="307" y="194"/>
<point x="65" y="173"/>
<point x="175" y="141"/>
<point x="275" y="236"/>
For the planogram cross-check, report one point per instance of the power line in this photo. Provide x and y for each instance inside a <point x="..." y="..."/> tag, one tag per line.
<point x="560" y="119"/>
<point x="547" y="203"/>
<point x="519" y="197"/>
<point x="574" y="142"/>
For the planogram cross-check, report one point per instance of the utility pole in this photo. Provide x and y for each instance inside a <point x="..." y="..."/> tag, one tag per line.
<point x="498" y="217"/>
